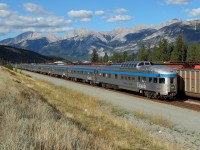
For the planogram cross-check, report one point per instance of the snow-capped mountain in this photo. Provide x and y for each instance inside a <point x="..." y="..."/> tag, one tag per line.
<point x="78" y="44"/>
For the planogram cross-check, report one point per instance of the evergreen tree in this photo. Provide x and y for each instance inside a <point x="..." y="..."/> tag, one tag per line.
<point x="141" y="53"/>
<point x="156" y="54"/>
<point x="164" y="50"/>
<point x="94" y="56"/>
<point x="105" y="58"/>
<point x="193" y="53"/>
<point x="132" y="57"/>
<point x="115" y="57"/>
<point x="147" y="53"/>
<point x="125" y="56"/>
<point x="180" y="50"/>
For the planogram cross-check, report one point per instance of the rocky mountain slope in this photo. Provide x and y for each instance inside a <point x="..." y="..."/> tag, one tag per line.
<point x="79" y="43"/>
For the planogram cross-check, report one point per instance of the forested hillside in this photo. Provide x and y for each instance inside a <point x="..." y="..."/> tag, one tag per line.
<point x="163" y="51"/>
<point x="17" y="55"/>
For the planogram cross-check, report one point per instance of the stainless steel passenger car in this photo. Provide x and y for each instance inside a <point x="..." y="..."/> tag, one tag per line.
<point x="149" y="80"/>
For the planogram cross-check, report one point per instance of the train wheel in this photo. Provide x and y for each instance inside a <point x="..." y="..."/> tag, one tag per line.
<point x="103" y="85"/>
<point x="92" y="83"/>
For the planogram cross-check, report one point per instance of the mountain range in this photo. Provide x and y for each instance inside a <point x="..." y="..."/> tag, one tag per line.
<point x="78" y="44"/>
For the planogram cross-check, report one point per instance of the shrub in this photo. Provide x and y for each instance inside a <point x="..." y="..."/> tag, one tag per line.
<point x="9" y="66"/>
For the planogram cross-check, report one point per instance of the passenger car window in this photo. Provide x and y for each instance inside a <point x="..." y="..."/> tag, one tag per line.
<point x="172" y="80"/>
<point x="141" y="64"/>
<point x="162" y="80"/>
<point x="125" y="77"/>
<point x="150" y="80"/>
<point x="155" y="80"/>
<point x="143" y="79"/>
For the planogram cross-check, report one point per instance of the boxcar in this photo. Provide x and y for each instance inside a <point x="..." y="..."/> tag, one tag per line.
<point x="188" y="81"/>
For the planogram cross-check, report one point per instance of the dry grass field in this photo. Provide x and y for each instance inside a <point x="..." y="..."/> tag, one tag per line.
<point x="39" y="115"/>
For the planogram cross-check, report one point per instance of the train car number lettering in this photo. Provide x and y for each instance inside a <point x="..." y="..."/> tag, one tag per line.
<point x="141" y="85"/>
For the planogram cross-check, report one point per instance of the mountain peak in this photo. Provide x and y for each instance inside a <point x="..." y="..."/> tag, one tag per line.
<point x="27" y="35"/>
<point x="79" y="42"/>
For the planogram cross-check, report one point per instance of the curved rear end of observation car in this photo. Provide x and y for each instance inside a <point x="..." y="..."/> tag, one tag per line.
<point x="165" y="85"/>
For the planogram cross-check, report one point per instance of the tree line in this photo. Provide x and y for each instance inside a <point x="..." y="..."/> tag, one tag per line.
<point x="163" y="51"/>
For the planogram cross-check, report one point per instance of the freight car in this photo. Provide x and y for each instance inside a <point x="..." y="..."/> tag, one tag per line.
<point x="153" y="81"/>
<point x="188" y="82"/>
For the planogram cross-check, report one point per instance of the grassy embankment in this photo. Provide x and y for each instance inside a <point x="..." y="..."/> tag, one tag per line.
<point x="40" y="115"/>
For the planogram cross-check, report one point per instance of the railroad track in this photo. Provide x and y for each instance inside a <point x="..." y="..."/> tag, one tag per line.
<point x="191" y="104"/>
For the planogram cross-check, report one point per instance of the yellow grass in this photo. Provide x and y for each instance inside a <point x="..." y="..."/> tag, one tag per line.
<point x="153" y="119"/>
<point x="85" y="112"/>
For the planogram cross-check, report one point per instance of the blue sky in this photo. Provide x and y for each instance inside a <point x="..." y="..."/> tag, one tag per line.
<point x="62" y="16"/>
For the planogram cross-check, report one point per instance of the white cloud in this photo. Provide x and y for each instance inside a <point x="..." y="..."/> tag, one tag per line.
<point x="119" y="18"/>
<point x="99" y="12"/>
<point x="3" y="6"/>
<point x="5" y="13"/>
<point x="85" y="20"/>
<point x="80" y="13"/>
<point x="30" y="7"/>
<point x="120" y="10"/>
<point x="12" y="21"/>
<point x="178" y="2"/>
<point x="194" y="12"/>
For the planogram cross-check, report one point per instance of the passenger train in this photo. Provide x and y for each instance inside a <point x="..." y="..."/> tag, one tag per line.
<point x="152" y="81"/>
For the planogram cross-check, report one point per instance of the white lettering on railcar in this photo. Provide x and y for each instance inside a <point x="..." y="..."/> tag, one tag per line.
<point x="141" y="85"/>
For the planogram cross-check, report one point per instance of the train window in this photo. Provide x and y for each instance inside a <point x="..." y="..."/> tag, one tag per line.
<point x="147" y="63"/>
<point x="122" y="77"/>
<point x="104" y="74"/>
<point x="132" y="65"/>
<point x="162" y="80"/>
<point x="171" y="80"/>
<point x="125" y="77"/>
<point x="143" y="79"/>
<point x="150" y="80"/>
<point x="108" y="75"/>
<point x="155" y="80"/>
<point x="141" y="64"/>
<point x="129" y="78"/>
<point x="133" y="78"/>
<point x="139" y="79"/>
<point x="100" y="73"/>
<point x="116" y="76"/>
